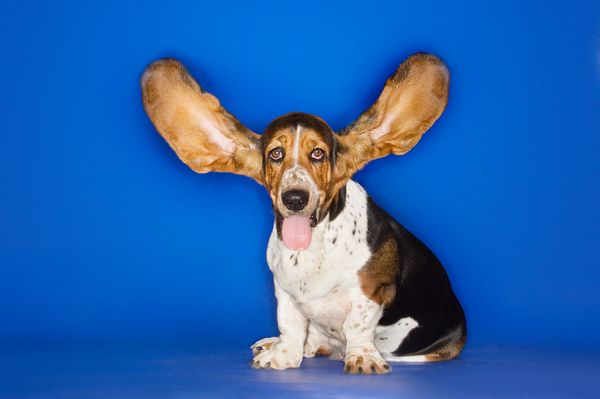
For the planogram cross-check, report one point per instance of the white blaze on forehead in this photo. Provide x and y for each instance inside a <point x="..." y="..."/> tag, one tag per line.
<point x="297" y="176"/>
<point x="296" y="144"/>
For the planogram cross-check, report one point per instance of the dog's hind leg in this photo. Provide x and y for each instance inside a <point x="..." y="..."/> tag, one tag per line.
<point x="424" y="344"/>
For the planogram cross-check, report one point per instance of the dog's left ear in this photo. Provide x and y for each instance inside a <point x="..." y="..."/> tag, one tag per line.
<point x="413" y="98"/>
<point x="204" y="135"/>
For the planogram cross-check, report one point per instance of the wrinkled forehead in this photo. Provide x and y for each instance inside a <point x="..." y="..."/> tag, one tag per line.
<point x="298" y="126"/>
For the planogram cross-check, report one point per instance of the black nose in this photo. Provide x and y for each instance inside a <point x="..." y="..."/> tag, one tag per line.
<point x="295" y="200"/>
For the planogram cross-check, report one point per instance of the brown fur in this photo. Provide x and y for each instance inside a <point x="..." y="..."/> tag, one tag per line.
<point x="377" y="277"/>
<point x="273" y="171"/>
<point x="412" y="100"/>
<point x="175" y="103"/>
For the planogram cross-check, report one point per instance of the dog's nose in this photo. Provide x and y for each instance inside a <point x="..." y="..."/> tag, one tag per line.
<point x="295" y="200"/>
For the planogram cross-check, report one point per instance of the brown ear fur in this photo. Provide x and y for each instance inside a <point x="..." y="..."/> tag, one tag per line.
<point x="203" y="134"/>
<point x="413" y="98"/>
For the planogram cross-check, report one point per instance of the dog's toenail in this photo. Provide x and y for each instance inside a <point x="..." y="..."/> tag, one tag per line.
<point x="373" y="369"/>
<point x="360" y="370"/>
<point x="268" y="365"/>
<point x="385" y="366"/>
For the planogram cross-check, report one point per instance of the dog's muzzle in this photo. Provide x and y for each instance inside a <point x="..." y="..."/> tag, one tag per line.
<point x="297" y="204"/>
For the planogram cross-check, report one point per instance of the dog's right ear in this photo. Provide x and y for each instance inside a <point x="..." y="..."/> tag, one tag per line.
<point x="203" y="134"/>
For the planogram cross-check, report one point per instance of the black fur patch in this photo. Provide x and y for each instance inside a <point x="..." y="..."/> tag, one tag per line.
<point x="278" y="223"/>
<point x="338" y="204"/>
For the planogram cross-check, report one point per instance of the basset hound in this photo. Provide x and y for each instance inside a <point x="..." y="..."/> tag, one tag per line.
<point x="350" y="281"/>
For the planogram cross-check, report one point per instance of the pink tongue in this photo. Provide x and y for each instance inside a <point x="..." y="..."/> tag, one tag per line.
<point x="296" y="232"/>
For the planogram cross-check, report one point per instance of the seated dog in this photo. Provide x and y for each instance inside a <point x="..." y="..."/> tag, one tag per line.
<point x="350" y="281"/>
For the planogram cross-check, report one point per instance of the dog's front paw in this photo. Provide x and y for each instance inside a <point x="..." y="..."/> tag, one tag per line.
<point x="276" y="355"/>
<point x="368" y="362"/>
<point x="263" y="344"/>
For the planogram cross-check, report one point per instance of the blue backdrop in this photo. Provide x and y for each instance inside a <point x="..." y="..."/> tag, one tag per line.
<point x="106" y="236"/>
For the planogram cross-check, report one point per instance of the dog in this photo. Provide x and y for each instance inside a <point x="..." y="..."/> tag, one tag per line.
<point x="350" y="281"/>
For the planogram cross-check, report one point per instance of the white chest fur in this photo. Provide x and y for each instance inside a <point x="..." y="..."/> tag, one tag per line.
<point x="319" y="278"/>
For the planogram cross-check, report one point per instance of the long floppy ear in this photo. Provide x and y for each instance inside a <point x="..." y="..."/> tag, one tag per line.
<point x="203" y="134"/>
<point x="413" y="98"/>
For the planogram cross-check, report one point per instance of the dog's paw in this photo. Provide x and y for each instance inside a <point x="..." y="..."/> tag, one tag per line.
<point x="365" y="363"/>
<point x="277" y="356"/>
<point x="263" y="344"/>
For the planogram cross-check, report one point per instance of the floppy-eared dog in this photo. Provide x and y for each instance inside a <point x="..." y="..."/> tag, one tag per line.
<point x="350" y="281"/>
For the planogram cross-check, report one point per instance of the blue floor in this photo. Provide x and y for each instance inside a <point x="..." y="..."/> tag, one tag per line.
<point x="189" y="372"/>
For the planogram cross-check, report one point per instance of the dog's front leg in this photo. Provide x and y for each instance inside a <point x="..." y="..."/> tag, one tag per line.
<point x="285" y="351"/>
<point x="359" y="329"/>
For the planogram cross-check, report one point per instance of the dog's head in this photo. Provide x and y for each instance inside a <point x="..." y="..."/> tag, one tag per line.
<point x="299" y="159"/>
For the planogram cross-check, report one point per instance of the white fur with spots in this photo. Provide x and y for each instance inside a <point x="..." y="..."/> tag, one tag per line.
<point x="320" y="302"/>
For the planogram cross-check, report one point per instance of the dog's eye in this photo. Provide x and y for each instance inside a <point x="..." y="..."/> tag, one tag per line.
<point x="276" y="154"/>
<point x="317" y="155"/>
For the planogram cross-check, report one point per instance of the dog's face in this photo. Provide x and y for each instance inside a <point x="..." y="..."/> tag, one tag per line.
<point x="301" y="162"/>
<point x="299" y="153"/>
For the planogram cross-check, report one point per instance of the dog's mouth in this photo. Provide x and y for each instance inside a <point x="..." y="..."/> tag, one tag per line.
<point x="296" y="231"/>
